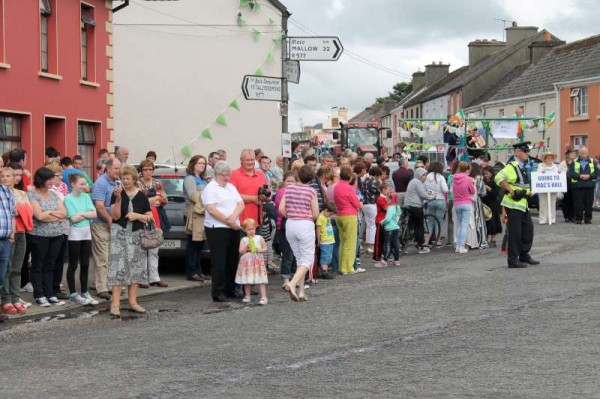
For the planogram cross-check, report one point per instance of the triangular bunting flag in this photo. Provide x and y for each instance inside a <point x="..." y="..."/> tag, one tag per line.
<point x="256" y="34"/>
<point x="206" y="134"/>
<point x="221" y="120"/>
<point x="234" y="104"/>
<point x="270" y="59"/>
<point x="271" y="21"/>
<point x="244" y="3"/>
<point x="277" y="41"/>
<point x="186" y="151"/>
<point x="256" y="5"/>
<point x="259" y="72"/>
<point x="240" y="21"/>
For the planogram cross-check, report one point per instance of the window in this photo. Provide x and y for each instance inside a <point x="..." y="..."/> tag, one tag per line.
<point x="580" y="140"/>
<point x="543" y="110"/>
<point x="580" y="100"/>
<point x="45" y="12"/>
<point x="501" y="112"/>
<point x="10" y="132"/>
<point x="87" y="43"/>
<point x="86" y="141"/>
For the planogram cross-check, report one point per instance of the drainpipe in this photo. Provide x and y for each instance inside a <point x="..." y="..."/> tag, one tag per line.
<point x="121" y="6"/>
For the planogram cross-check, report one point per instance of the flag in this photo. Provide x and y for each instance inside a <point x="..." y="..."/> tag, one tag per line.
<point x="186" y="151"/>
<point x="256" y="34"/>
<point x="234" y="104"/>
<point x="207" y="134"/>
<point x="460" y="115"/>
<point x="221" y="120"/>
<point x="550" y="119"/>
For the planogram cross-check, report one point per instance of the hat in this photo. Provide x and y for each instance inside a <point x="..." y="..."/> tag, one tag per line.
<point x="569" y="150"/>
<point x="548" y="154"/>
<point x="524" y="146"/>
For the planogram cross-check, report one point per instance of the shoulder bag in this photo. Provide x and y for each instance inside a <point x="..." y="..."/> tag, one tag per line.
<point x="151" y="237"/>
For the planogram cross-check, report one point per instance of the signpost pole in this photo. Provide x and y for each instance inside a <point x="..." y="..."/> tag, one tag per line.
<point x="549" y="209"/>
<point x="284" y="85"/>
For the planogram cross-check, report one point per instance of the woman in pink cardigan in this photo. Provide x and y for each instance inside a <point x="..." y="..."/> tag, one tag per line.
<point x="347" y="205"/>
<point x="463" y="189"/>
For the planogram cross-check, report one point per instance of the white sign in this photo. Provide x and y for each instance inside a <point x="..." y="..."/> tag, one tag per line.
<point x="291" y="71"/>
<point x="505" y="129"/>
<point x="548" y="182"/>
<point x="262" y="88"/>
<point x="314" y="48"/>
<point x="286" y="145"/>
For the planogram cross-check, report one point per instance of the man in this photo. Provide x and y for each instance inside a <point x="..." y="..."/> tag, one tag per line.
<point x="277" y="169"/>
<point x="369" y="160"/>
<point x="583" y="173"/>
<point x="265" y="167"/>
<point x="7" y="232"/>
<point x="401" y="177"/>
<point x="51" y="154"/>
<point x="311" y="161"/>
<point x="19" y="156"/>
<point x="247" y="180"/>
<point x="327" y="161"/>
<point x="101" y="195"/>
<point x="222" y="155"/>
<point x="213" y="158"/>
<point x="513" y="178"/>
<point x="307" y="152"/>
<point x="258" y="154"/>
<point x="103" y="154"/>
<point x="69" y="169"/>
<point x="122" y="154"/>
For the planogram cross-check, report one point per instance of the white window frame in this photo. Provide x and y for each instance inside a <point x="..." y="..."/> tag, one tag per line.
<point x="580" y="100"/>
<point x="580" y="140"/>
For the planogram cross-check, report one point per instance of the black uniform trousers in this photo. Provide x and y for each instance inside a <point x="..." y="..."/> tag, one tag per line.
<point x="583" y="199"/>
<point x="520" y="234"/>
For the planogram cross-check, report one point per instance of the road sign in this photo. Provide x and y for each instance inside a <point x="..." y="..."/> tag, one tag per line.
<point x="265" y="88"/>
<point x="291" y="71"/>
<point x="314" y="48"/>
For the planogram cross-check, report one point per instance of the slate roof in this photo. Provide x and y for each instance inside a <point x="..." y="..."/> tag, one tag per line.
<point x="485" y="64"/>
<point x="501" y="84"/>
<point x="374" y="111"/>
<point x="417" y="99"/>
<point x="564" y="63"/>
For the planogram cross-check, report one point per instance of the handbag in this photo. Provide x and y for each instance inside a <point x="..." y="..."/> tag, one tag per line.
<point x="151" y="237"/>
<point x="487" y="212"/>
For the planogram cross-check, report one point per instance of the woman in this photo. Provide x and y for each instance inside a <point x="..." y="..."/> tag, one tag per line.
<point x="11" y="297"/>
<point x="370" y="190"/>
<point x="287" y="256"/>
<point x="492" y="200"/>
<point x="128" y="265"/>
<point x="80" y="212"/>
<point x="547" y="214"/>
<point x="463" y="189"/>
<point x="46" y="237"/>
<point x="567" y="204"/>
<point x="435" y="184"/>
<point x="153" y="190"/>
<point x="301" y="208"/>
<point x="477" y="235"/>
<point x="414" y="200"/>
<point x="347" y="204"/>
<point x="193" y="184"/>
<point x="450" y="219"/>
<point x="224" y="205"/>
<point x="62" y="190"/>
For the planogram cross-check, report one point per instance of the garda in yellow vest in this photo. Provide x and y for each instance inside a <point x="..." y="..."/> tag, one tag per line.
<point x="517" y="180"/>
<point x="577" y="168"/>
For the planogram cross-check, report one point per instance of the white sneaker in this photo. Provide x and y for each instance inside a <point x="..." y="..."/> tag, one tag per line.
<point x="78" y="300"/>
<point x="25" y="303"/>
<point x="90" y="299"/>
<point x="55" y="301"/>
<point x="424" y="250"/>
<point x="462" y="250"/>
<point x="360" y="270"/>
<point x="42" y="301"/>
<point x="27" y="288"/>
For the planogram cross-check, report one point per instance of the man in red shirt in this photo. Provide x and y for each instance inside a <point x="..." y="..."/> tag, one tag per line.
<point x="247" y="180"/>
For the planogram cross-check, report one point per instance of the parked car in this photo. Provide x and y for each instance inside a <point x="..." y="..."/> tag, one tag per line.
<point x="175" y="239"/>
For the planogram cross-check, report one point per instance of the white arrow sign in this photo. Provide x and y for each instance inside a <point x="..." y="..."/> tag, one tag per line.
<point x="314" y="48"/>
<point x="262" y="88"/>
<point x="291" y="71"/>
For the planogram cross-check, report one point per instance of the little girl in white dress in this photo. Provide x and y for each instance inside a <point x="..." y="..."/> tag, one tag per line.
<point x="251" y="268"/>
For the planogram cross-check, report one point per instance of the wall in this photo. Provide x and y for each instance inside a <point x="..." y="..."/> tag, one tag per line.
<point x="589" y="124"/>
<point x="172" y="81"/>
<point x="59" y="96"/>
<point x="436" y="108"/>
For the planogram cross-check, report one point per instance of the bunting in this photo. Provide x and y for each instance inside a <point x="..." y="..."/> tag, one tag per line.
<point x="234" y="105"/>
<point x="221" y="120"/>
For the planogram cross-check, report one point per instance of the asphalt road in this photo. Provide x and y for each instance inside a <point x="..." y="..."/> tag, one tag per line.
<point x="442" y="325"/>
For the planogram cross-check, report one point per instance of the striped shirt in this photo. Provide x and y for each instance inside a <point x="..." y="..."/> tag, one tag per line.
<point x="297" y="202"/>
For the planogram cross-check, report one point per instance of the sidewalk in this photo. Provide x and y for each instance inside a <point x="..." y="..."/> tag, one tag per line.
<point x="176" y="283"/>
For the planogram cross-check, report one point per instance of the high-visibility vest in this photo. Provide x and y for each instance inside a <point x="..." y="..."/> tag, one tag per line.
<point x="517" y="179"/>
<point x="577" y="167"/>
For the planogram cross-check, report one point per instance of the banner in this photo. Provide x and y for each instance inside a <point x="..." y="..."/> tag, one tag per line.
<point x="548" y="182"/>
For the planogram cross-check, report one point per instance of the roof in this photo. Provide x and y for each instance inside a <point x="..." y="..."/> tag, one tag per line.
<point x="474" y="71"/>
<point x="374" y="111"/>
<point x="571" y="61"/>
<point x="417" y="99"/>
<point x="501" y="84"/>
<point x="318" y="126"/>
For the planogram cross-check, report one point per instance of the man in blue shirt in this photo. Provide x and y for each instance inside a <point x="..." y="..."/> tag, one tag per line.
<point x="101" y="195"/>
<point x="69" y="169"/>
<point x="7" y="231"/>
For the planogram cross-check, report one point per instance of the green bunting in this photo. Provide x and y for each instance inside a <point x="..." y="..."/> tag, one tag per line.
<point x="259" y="72"/>
<point x="234" y="104"/>
<point x="277" y="41"/>
<point x="221" y="120"/>
<point x="240" y="21"/>
<point x="244" y="3"/>
<point x="186" y="151"/>
<point x="206" y="133"/>
<point x="270" y="58"/>
<point x="271" y="21"/>
<point x="257" y="6"/>
<point x="256" y="34"/>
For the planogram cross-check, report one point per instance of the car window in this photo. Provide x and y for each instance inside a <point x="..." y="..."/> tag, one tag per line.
<point x="173" y="185"/>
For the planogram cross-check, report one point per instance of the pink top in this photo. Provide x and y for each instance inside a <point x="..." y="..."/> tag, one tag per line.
<point x="463" y="189"/>
<point x="345" y="199"/>
<point x="298" y="198"/>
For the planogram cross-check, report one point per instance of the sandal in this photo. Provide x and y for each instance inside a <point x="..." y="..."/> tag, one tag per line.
<point x="115" y="312"/>
<point x="292" y="292"/>
<point x="263" y="301"/>
<point x="302" y="297"/>
<point x="246" y="299"/>
<point x="137" y="308"/>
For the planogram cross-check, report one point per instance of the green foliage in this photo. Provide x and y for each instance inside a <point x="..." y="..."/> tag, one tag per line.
<point x="399" y="91"/>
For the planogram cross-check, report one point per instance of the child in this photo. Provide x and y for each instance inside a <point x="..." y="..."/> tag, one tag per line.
<point x="326" y="239"/>
<point x="391" y="230"/>
<point x="382" y="205"/>
<point x="80" y="211"/>
<point x="251" y="268"/>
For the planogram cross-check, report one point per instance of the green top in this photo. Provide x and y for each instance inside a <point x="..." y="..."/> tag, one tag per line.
<point x="76" y="204"/>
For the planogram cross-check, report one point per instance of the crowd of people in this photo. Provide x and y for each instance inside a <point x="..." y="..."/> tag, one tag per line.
<point x="318" y="218"/>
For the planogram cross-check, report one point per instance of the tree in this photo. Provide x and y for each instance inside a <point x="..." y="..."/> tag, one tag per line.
<point x="399" y="91"/>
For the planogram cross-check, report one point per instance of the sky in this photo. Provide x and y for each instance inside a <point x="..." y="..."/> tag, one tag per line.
<point x="385" y="41"/>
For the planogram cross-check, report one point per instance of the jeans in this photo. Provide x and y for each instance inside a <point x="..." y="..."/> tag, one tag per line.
<point x="326" y="254"/>
<point x="436" y="208"/>
<point x="288" y="262"/>
<point x="79" y="253"/>
<point x="193" y="256"/>
<point x="44" y="251"/>
<point x="463" y="217"/>
<point x="12" y="279"/>
<point x="392" y="245"/>
<point x="4" y="257"/>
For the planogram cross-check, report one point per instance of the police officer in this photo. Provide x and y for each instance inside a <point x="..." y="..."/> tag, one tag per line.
<point x="514" y="179"/>
<point x="583" y="173"/>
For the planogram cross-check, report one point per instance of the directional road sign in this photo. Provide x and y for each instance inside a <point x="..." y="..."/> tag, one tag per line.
<point x="265" y="88"/>
<point x="291" y="71"/>
<point x="314" y="48"/>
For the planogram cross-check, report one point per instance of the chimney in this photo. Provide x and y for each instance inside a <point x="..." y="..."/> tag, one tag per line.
<point x="537" y="50"/>
<point x="514" y="33"/>
<point x="434" y="72"/>
<point x="479" y="49"/>
<point x="418" y="80"/>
